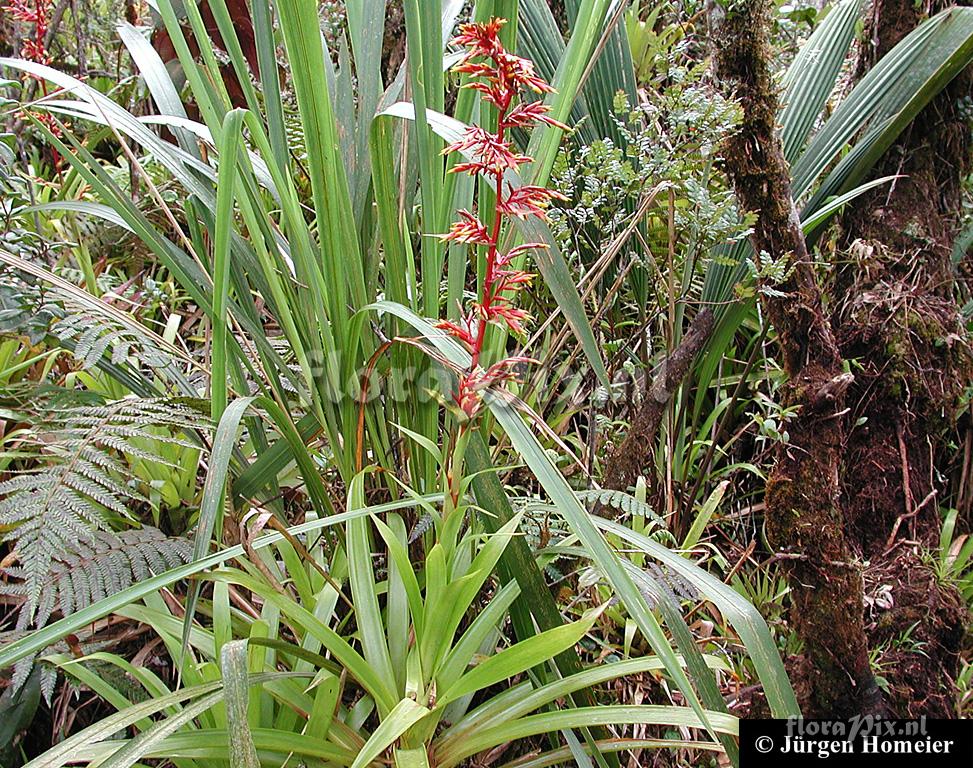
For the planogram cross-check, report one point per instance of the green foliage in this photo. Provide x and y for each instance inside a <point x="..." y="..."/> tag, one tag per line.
<point x="90" y="569"/>
<point x="954" y="559"/>
<point x="623" y="502"/>
<point x="54" y="509"/>
<point x="834" y="161"/>
<point x="20" y="312"/>
<point x="668" y="143"/>
<point x="93" y="337"/>
<point x="651" y="38"/>
<point x="288" y="251"/>
<point x="297" y="236"/>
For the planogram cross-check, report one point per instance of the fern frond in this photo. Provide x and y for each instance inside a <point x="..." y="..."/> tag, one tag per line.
<point x="620" y="500"/>
<point x="106" y="563"/>
<point x="97" y="330"/>
<point x="663" y="583"/>
<point x="103" y="565"/>
<point x="90" y="328"/>
<point x="422" y="525"/>
<point x="81" y="480"/>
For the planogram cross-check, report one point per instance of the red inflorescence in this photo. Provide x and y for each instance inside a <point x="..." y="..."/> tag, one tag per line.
<point x="500" y="77"/>
<point x="469" y="230"/>
<point x="534" y="112"/>
<point x="36" y="12"/>
<point x="528" y="201"/>
<point x="489" y="152"/>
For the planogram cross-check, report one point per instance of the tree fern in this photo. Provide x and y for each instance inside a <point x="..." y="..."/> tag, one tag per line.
<point x="92" y="569"/>
<point x="80" y="480"/>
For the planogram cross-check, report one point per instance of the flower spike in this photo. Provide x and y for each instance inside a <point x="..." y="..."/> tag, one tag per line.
<point x="500" y="77"/>
<point x="481" y="39"/>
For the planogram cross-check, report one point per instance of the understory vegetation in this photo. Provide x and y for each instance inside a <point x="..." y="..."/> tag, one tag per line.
<point x="430" y="383"/>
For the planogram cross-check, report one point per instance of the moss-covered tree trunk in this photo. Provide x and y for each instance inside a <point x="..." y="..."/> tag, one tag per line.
<point x="804" y="519"/>
<point x="895" y="312"/>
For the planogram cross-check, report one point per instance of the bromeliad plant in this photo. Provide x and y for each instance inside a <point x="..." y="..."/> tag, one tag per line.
<point x="426" y="687"/>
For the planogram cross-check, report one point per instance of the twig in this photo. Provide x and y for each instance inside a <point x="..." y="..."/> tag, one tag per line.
<point x="627" y="461"/>
<point x="890" y="543"/>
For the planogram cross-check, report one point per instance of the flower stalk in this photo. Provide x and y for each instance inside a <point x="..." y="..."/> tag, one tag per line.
<point x="501" y="78"/>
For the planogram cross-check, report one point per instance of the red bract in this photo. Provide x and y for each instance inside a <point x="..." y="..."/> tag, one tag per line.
<point x="469" y="230"/>
<point x="535" y="112"/>
<point x="36" y="12"/>
<point x="33" y="50"/>
<point x="510" y="280"/>
<point x="500" y="77"/>
<point x="467" y="397"/>
<point x="471" y="384"/>
<point x="492" y="92"/>
<point x="512" y="316"/>
<point x="528" y="201"/>
<point x="519" y="73"/>
<point x="466" y="329"/>
<point x="490" y="153"/>
<point x="520" y="250"/>
<point x="28" y="12"/>
<point x="480" y="39"/>
<point x="475" y="69"/>
<point x="457" y="331"/>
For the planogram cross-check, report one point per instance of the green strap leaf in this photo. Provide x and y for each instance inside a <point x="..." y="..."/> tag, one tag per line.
<point x="236" y="690"/>
<point x="230" y="143"/>
<point x="520" y="657"/>
<point x="135" y="749"/>
<point x="403" y="716"/>
<point x="364" y="590"/>
<point x="38" y="640"/>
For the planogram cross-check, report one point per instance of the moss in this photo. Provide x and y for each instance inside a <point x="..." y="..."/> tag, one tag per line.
<point x="895" y="312"/>
<point x="925" y="327"/>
